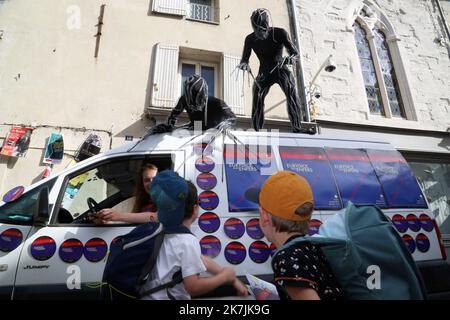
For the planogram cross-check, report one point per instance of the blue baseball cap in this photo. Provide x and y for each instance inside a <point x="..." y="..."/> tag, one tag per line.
<point x="169" y="192"/>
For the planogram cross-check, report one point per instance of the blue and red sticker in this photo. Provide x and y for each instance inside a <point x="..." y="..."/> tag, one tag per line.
<point x="259" y="251"/>
<point x="43" y="248"/>
<point x="71" y="250"/>
<point x="234" y="228"/>
<point x="204" y="164"/>
<point x="208" y="200"/>
<point x="426" y="222"/>
<point x="13" y="194"/>
<point x="422" y="243"/>
<point x="210" y="246"/>
<point x="410" y="243"/>
<point x="209" y="222"/>
<point x="413" y="222"/>
<point x="400" y="223"/>
<point x="95" y="249"/>
<point x="10" y="239"/>
<point x="235" y="252"/>
<point x="206" y="181"/>
<point x="254" y="229"/>
<point x="314" y="226"/>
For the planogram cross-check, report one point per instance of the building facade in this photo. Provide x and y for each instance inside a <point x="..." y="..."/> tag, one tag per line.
<point x="115" y="67"/>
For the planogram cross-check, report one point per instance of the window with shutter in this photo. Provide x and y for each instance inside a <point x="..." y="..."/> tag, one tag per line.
<point x="233" y="84"/>
<point x="165" y="75"/>
<point x="175" y="7"/>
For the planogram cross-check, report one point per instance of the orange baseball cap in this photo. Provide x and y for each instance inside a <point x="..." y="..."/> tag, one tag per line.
<point x="282" y="194"/>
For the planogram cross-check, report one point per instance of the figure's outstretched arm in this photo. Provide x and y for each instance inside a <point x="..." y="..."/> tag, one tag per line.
<point x="244" y="65"/>
<point x="290" y="46"/>
<point x="172" y="119"/>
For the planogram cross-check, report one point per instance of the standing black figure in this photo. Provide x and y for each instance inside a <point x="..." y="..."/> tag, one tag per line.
<point x="268" y="42"/>
<point x="210" y="111"/>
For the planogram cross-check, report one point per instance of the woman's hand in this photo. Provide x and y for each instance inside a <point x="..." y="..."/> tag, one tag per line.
<point x="109" y="215"/>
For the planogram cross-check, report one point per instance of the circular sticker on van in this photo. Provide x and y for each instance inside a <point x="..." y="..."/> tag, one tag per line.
<point x="206" y="181"/>
<point x="423" y="243"/>
<point x="203" y="148"/>
<point x="235" y="252"/>
<point x="254" y="229"/>
<point x="400" y="223"/>
<point x="43" y="248"/>
<point x="314" y="226"/>
<point x="205" y="164"/>
<point x="409" y="241"/>
<point x="71" y="250"/>
<point x="426" y="222"/>
<point x="234" y="228"/>
<point x="10" y="239"/>
<point x="208" y="200"/>
<point x="95" y="249"/>
<point x="13" y="194"/>
<point x="209" y="222"/>
<point x="259" y="252"/>
<point x="210" y="246"/>
<point x="413" y="222"/>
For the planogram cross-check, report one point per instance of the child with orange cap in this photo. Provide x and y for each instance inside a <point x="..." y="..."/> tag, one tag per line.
<point x="301" y="271"/>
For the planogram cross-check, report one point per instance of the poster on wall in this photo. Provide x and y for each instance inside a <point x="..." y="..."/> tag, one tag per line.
<point x="90" y="147"/>
<point x="355" y="177"/>
<point x="398" y="182"/>
<point x="312" y="164"/>
<point x="55" y="149"/>
<point x="246" y="168"/>
<point x="17" y="142"/>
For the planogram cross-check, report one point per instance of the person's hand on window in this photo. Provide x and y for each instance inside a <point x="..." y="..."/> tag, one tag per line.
<point x="109" y="215"/>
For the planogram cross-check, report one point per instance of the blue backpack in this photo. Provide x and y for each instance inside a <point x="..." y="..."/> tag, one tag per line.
<point x="358" y="242"/>
<point x="132" y="258"/>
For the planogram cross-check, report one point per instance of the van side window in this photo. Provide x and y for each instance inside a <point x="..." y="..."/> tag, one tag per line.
<point x="111" y="184"/>
<point x="23" y="209"/>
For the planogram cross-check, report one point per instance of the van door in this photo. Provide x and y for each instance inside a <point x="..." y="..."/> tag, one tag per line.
<point x="15" y="225"/>
<point x="66" y="258"/>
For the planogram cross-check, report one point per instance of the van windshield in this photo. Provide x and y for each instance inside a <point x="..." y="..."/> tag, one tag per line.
<point x="22" y="210"/>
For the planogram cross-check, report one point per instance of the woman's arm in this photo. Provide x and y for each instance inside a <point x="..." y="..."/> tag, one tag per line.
<point x="128" y="217"/>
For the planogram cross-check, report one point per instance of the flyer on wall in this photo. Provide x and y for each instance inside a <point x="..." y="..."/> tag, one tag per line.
<point x="17" y="142"/>
<point x="55" y="149"/>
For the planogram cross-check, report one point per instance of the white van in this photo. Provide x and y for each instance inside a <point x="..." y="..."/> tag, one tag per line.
<point x="50" y="249"/>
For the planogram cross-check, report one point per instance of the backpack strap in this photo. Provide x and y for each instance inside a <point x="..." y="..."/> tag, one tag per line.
<point x="176" y="279"/>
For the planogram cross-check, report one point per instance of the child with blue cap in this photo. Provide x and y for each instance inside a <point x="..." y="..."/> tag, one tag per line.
<point x="177" y="203"/>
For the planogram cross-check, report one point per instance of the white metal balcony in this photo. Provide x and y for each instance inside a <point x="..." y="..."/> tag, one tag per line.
<point x="201" y="12"/>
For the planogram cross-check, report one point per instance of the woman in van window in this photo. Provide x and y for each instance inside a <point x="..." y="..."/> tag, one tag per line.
<point x="144" y="210"/>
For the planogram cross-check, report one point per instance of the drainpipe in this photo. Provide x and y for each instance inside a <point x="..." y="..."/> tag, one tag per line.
<point x="301" y="86"/>
<point x="444" y="21"/>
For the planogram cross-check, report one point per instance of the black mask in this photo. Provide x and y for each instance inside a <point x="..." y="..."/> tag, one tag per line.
<point x="196" y="92"/>
<point x="260" y="23"/>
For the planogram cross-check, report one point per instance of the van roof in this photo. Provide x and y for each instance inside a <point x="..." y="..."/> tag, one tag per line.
<point x="180" y="138"/>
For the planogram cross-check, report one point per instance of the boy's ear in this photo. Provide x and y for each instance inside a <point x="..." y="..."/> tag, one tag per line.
<point x="264" y="217"/>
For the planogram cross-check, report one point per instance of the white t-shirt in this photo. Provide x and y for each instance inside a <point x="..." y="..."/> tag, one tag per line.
<point x="178" y="251"/>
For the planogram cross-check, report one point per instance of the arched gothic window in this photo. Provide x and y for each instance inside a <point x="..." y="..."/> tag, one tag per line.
<point x="385" y="81"/>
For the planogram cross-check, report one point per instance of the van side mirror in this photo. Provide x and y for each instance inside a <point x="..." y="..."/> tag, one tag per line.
<point x="43" y="210"/>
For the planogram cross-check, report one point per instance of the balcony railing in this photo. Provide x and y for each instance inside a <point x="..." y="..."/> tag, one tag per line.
<point x="201" y="12"/>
